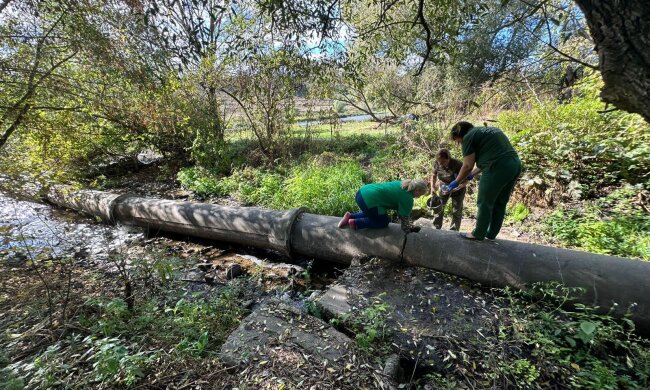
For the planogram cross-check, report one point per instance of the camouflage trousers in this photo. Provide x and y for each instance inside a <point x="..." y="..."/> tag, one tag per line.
<point x="457" y="199"/>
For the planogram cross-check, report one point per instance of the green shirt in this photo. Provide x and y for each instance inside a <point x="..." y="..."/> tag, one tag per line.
<point x="388" y="196"/>
<point x="489" y="144"/>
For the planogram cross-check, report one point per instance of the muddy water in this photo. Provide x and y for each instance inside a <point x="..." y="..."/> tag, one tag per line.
<point x="28" y="229"/>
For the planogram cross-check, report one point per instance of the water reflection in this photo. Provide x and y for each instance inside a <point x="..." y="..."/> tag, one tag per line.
<point x="28" y="229"/>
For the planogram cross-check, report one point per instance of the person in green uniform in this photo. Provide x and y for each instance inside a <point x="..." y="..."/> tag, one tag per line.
<point x="494" y="156"/>
<point x="445" y="170"/>
<point x="375" y="199"/>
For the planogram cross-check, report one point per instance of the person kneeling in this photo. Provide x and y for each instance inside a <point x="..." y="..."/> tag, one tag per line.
<point x="375" y="199"/>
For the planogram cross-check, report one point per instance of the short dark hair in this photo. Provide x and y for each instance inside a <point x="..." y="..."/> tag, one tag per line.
<point x="443" y="153"/>
<point x="460" y="129"/>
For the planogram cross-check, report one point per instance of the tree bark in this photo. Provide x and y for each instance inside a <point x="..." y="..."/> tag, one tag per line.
<point x="621" y="31"/>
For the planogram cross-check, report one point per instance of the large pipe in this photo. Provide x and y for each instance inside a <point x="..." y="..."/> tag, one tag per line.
<point x="606" y="279"/>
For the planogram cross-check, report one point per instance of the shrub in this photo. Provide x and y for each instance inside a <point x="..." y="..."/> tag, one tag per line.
<point x="612" y="225"/>
<point x="571" y="150"/>
<point x="203" y="182"/>
<point x="325" y="185"/>
<point x="579" y="348"/>
<point x="396" y="162"/>
<point x="321" y="188"/>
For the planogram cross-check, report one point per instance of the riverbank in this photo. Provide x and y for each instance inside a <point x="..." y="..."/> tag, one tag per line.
<point x="156" y="310"/>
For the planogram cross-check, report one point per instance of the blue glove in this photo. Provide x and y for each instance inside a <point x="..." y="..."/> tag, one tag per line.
<point x="452" y="185"/>
<point x="470" y="176"/>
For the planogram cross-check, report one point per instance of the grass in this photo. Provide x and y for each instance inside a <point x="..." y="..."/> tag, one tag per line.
<point x="612" y="225"/>
<point x="325" y="184"/>
<point x="106" y="345"/>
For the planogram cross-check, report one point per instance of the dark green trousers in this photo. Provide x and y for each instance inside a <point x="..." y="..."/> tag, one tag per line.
<point x="494" y="191"/>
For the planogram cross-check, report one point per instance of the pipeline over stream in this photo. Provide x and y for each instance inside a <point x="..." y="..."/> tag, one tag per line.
<point x="607" y="279"/>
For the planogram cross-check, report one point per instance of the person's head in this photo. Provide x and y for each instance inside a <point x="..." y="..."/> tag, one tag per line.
<point x="416" y="187"/>
<point x="443" y="156"/>
<point x="459" y="130"/>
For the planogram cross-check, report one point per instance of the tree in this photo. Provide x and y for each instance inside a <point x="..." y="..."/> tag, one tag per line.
<point x="432" y="32"/>
<point x="23" y="80"/>
<point x="621" y="31"/>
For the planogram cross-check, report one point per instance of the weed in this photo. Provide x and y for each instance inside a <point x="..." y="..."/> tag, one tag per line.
<point x="517" y="213"/>
<point x="325" y="185"/>
<point x="571" y="151"/>
<point x="369" y="326"/>
<point x="583" y="348"/>
<point x="623" y="231"/>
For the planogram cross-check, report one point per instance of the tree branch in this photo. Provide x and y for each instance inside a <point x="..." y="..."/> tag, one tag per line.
<point x="427" y="29"/>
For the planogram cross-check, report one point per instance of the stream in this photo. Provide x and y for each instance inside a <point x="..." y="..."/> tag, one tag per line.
<point x="351" y="118"/>
<point x="28" y="229"/>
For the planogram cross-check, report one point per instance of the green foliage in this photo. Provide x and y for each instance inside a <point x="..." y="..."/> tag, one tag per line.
<point x="324" y="185"/>
<point x="517" y="213"/>
<point x="313" y="309"/>
<point x="202" y="182"/>
<point x="399" y="161"/>
<point x="571" y="150"/>
<point x="339" y="107"/>
<point x="193" y="325"/>
<point x="523" y="370"/>
<point x="622" y="230"/>
<point x="113" y="362"/>
<point x="580" y="348"/>
<point x="369" y="326"/>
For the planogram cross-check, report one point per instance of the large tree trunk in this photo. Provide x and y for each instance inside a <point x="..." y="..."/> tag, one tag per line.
<point x="621" y="30"/>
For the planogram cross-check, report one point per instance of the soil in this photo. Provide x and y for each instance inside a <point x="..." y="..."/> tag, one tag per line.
<point x="429" y="312"/>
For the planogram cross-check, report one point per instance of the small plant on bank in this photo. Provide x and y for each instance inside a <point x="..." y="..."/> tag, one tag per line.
<point x="517" y="213"/>
<point x="369" y="326"/>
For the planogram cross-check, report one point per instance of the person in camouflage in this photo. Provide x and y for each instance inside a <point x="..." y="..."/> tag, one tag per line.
<point x="445" y="170"/>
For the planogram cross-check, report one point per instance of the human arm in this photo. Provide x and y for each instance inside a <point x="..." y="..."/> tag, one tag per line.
<point x="404" y="209"/>
<point x="432" y="182"/>
<point x="465" y="170"/>
<point x="473" y="174"/>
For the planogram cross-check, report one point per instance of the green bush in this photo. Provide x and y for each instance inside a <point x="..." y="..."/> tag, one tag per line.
<point x="202" y="182"/>
<point x="580" y="349"/>
<point x="611" y="225"/>
<point x="323" y="188"/>
<point x="369" y="326"/>
<point x="324" y="185"/>
<point x="572" y="149"/>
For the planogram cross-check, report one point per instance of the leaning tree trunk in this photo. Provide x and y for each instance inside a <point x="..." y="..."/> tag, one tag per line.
<point x="621" y="30"/>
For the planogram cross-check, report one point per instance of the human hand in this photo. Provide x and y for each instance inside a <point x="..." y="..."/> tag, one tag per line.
<point x="452" y="186"/>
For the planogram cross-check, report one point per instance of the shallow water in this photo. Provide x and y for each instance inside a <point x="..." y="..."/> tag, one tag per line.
<point x="29" y="228"/>
<point x="351" y="118"/>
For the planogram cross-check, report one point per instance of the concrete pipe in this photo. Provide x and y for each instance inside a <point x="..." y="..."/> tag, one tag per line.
<point x="607" y="279"/>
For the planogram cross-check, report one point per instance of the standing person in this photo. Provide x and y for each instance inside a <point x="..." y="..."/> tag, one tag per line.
<point x="491" y="151"/>
<point x="375" y="199"/>
<point x="445" y="170"/>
